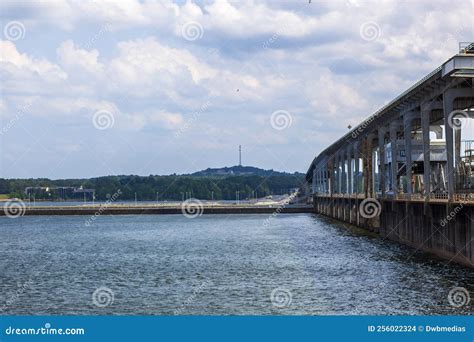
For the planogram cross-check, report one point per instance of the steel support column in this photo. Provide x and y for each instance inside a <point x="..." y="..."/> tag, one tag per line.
<point x="394" y="151"/>
<point x="448" y="99"/>
<point x="381" y="137"/>
<point x="407" y="128"/>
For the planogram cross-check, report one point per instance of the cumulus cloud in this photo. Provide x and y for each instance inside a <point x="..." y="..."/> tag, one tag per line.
<point x="146" y="59"/>
<point x="78" y="60"/>
<point x="251" y="58"/>
<point x="13" y="61"/>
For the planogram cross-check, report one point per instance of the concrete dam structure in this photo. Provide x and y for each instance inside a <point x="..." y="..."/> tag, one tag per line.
<point x="407" y="172"/>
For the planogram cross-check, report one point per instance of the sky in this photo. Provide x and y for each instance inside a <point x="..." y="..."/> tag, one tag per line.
<point x="94" y="88"/>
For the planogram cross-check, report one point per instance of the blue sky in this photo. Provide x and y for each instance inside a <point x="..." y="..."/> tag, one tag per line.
<point x="91" y="88"/>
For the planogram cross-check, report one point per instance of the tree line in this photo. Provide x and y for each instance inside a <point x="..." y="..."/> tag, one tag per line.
<point x="172" y="187"/>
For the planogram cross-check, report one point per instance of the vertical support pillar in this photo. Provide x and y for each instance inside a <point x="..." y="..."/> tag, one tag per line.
<point x="457" y="147"/>
<point x="356" y="180"/>
<point x="349" y="171"/>
<point x="314" y="181"/>
<point x="326" y="185"/>
<point x="323" y="172"/>
<point x="343" y="172"/>
<point x="394" y="164"/>
<point x="457" y="156"/>
<point x="448" y="100"/>
<point x="338" y="171"/>
<point x="331" y="176"/>
<point x="382" y="159"/>
<point x="339" y="185"/>
<point x="425" y="127"/>
<point x="320" y="176"/>
<point x="369" y="160"/>
<point x="342" y="200"/>
<point x="407" y="128"/>
<point x="319" y="198"/>
<point x="349" y="181"/>
<point x="394" y="153"/>
<point x="356" y="168"/>
<point x="319" y="180"/>
<point x="364" y="168"/>
<point x="340" y="210"/>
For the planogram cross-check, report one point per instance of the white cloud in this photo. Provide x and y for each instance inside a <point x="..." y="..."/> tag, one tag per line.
<point x="129" y="58"/>
<point x="69" y="14"/>
<point x="78" y="60"/>
<point x="13" y="61"/>
<point x="167" y="119"/>
<point x="332" y="98"/>
<point x="250" y="18"/>
<point x="143" y="63"/>
<point x="3" y="108"/>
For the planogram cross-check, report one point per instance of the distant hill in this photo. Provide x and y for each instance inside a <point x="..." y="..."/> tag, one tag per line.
<point x="239" y="170"/>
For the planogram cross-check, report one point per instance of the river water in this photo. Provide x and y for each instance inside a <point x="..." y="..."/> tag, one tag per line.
<point x="216" y="264"/>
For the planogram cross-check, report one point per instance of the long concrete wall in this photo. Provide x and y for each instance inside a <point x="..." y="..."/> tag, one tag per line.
<point x="177" y="210"/>
<point x="446" y="230"/>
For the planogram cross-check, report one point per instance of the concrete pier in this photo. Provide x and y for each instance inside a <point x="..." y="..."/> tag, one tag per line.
<point x="447" y="231"/>
<point x="407" y="172"/>
<point x="164" y="210"/>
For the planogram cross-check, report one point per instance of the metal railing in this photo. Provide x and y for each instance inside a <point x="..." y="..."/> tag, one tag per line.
<point x="466" y="47"/>
<point x="435" y="197"/>
<point x="463" y="197"/>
